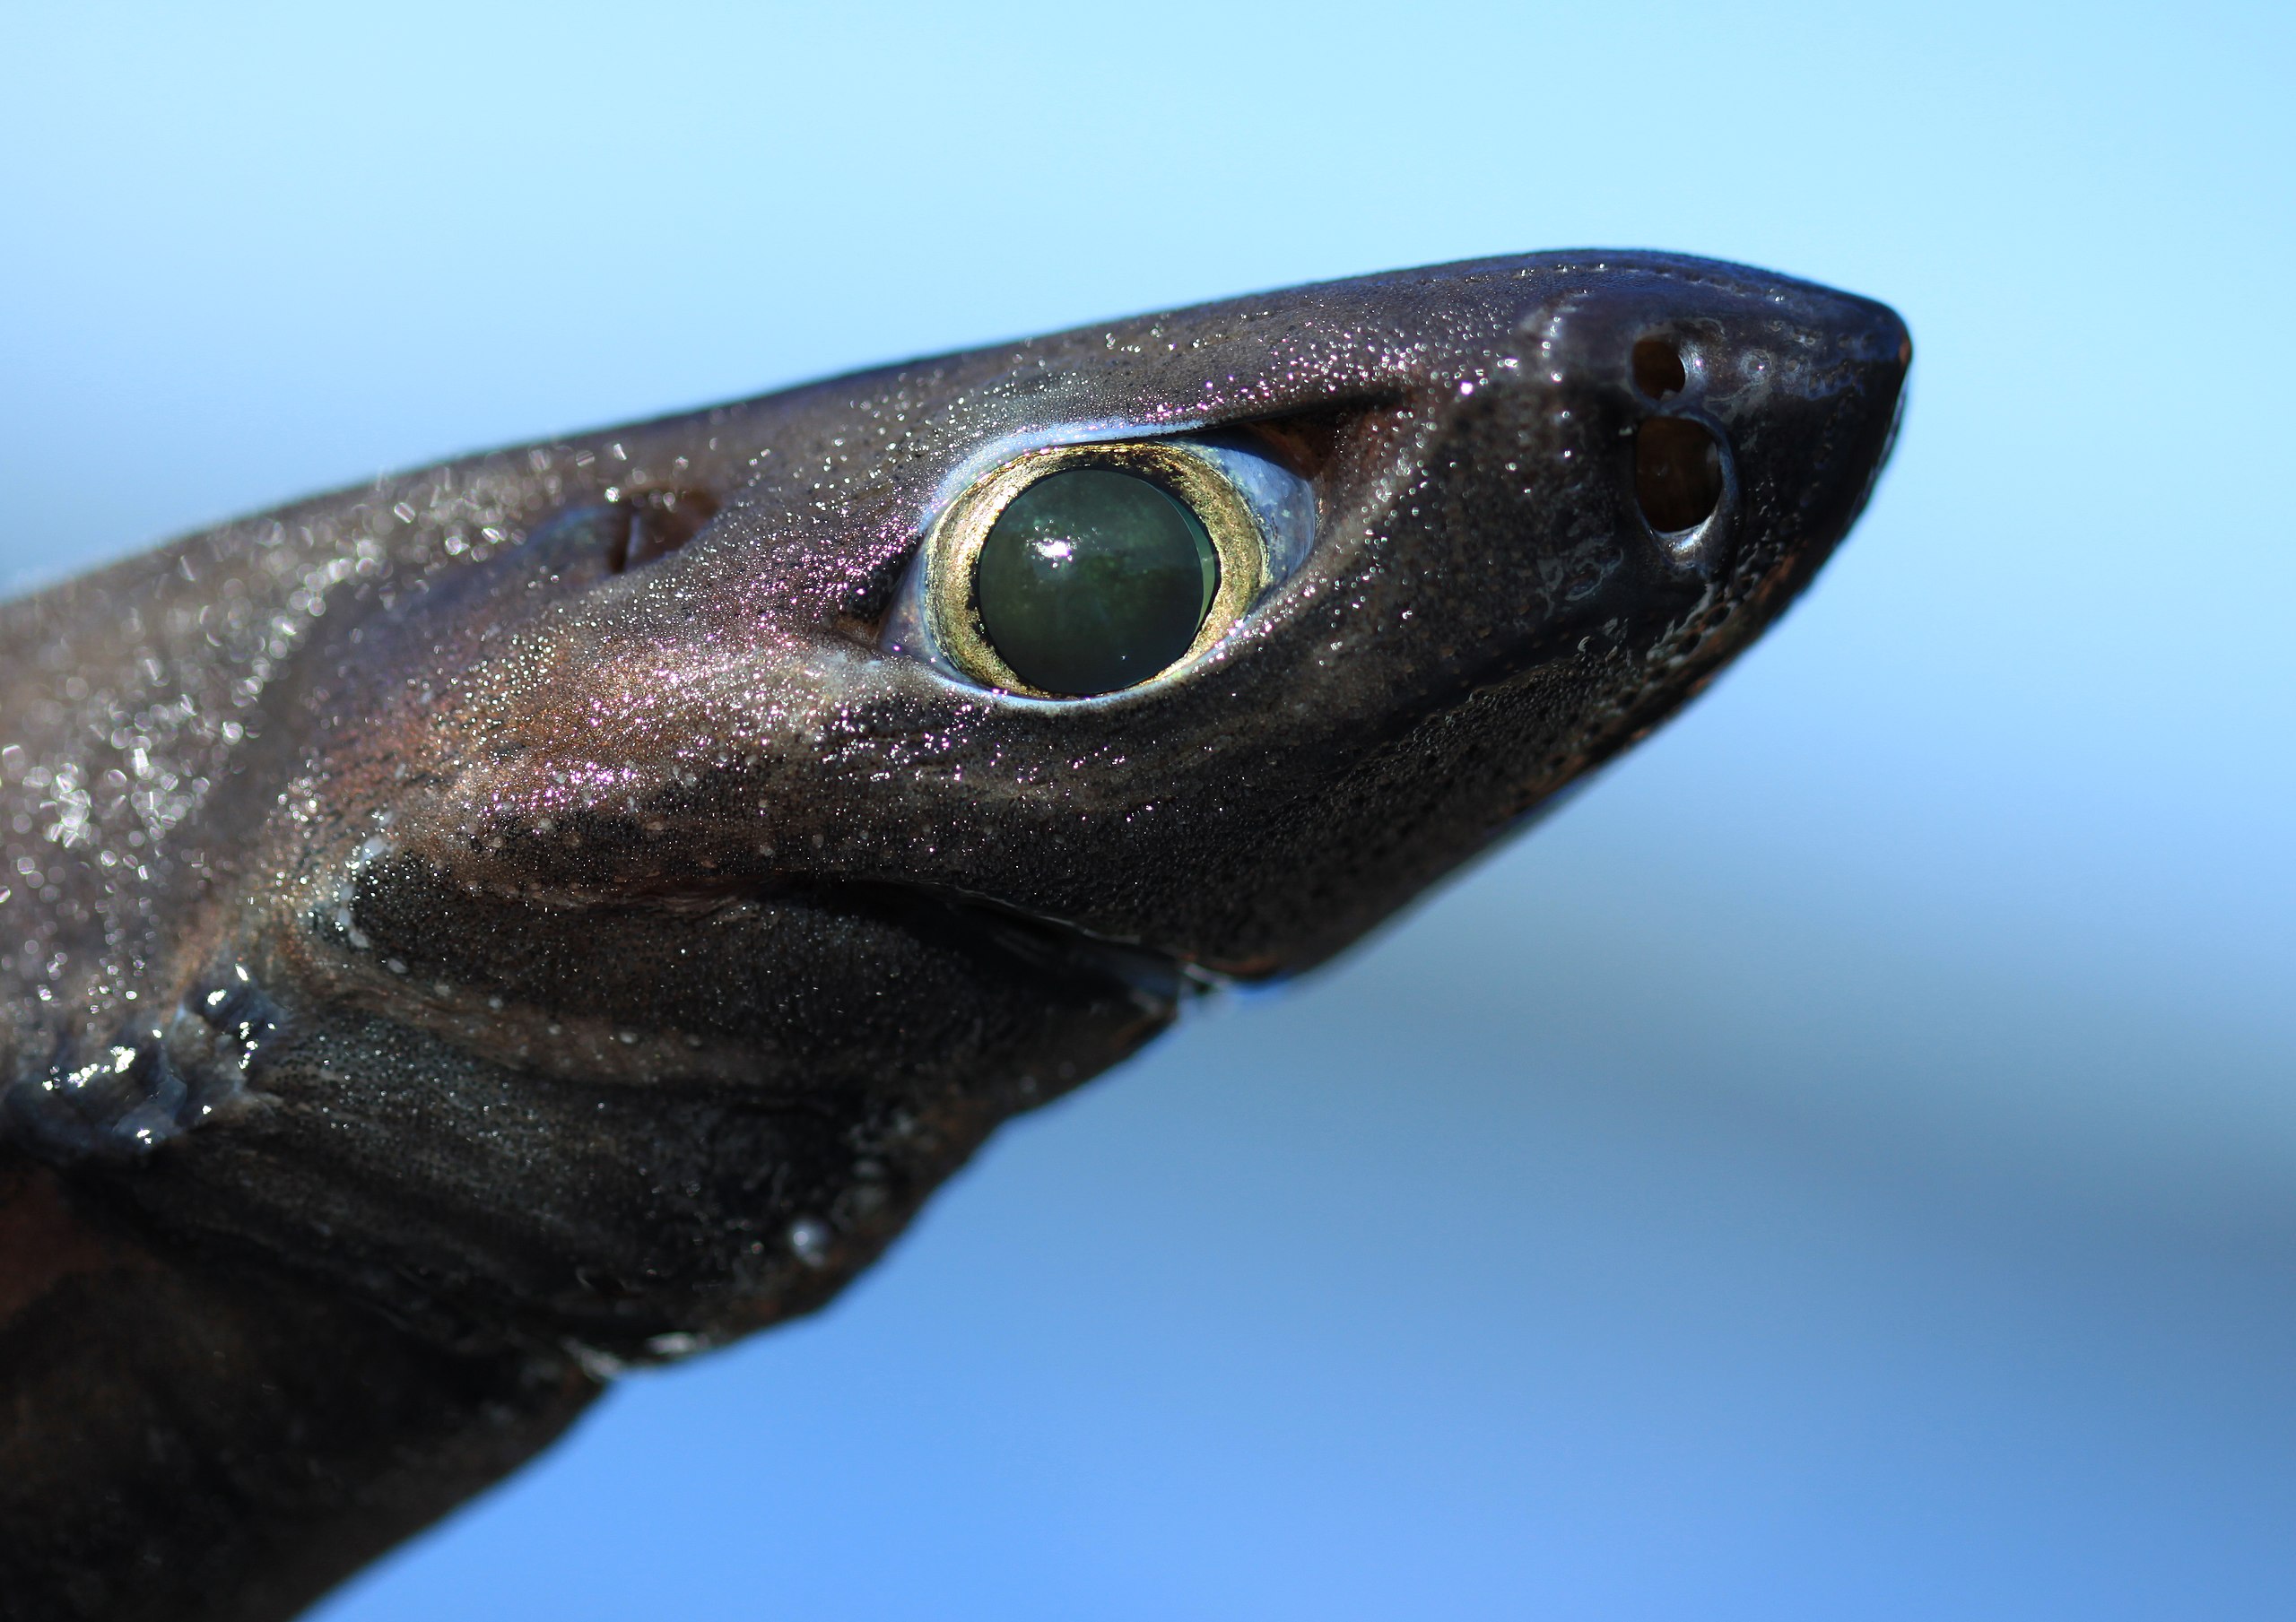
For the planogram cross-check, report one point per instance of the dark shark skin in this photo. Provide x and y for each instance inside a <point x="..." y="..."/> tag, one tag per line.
<point x="456" y="939"/>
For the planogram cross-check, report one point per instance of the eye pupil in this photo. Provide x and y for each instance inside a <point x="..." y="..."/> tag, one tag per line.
<point x="1091" y="580"/>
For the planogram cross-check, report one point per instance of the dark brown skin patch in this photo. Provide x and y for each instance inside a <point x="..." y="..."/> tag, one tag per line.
<point x="183" y="1437"/>
<point x="537" y="913"/>
<point x="41" y="1242"/>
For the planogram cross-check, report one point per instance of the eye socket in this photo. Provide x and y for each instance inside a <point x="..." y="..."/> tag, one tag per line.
<point x="1079" y="571"/>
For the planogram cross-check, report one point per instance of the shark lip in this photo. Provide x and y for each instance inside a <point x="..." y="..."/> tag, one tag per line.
<point x="1157" y="978"/>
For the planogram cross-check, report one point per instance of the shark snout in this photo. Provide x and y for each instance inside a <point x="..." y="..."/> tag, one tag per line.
<point x="1747" y="415"/>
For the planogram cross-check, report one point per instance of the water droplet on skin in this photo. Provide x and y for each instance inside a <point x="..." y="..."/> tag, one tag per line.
<point x="599" y="1365"/>
<point x="809" y="1240"/>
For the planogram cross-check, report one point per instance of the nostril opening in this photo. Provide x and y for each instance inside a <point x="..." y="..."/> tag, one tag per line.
<point x="1677" y="473"/>
<point x="1658" y="368"/>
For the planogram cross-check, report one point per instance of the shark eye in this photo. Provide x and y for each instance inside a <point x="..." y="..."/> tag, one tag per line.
<point x="1094" y="579"/>
<point x="1084" y="569"/>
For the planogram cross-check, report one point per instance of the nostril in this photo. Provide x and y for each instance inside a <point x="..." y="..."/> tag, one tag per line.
<point x="1658" y="368"/>
<point x="1677" y="473"/>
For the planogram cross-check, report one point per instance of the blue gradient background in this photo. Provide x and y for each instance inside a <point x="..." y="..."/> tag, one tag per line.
<point x="1842" y="1167"/>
